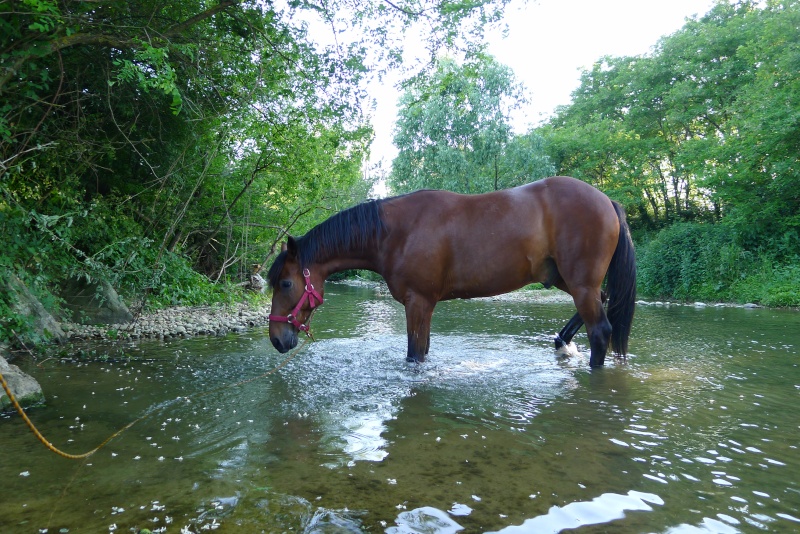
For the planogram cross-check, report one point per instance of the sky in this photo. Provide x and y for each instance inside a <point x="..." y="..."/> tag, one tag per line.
<point x="547" y="45"/>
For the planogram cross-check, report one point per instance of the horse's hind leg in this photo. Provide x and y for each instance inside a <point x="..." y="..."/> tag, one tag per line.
<point x="564" y="337"/>
<point x="590" y="308"/>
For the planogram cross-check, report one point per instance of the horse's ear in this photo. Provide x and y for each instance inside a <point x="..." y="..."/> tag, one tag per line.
<point x="283" y="247"/>
<point x="291" y="247"/>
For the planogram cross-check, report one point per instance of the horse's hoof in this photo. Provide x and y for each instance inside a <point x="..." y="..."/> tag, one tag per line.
<point x="411" y="359"/>
<point x="559" y="342"/>
<point x="567" y="350"/>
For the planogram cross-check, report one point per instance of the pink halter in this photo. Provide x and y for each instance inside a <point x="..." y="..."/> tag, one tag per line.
<point x="311" y="295"/>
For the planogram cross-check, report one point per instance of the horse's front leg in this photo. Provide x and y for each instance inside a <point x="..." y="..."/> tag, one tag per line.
<point x="419" y="311"/>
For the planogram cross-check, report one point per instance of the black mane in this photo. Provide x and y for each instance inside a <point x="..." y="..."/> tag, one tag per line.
<point x="355" y="228"/>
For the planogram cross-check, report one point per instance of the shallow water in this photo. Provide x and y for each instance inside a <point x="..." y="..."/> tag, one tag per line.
<point x="697" y="432"/>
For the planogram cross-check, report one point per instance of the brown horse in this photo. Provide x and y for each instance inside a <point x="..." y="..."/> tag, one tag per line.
<point x="437" y="245"/>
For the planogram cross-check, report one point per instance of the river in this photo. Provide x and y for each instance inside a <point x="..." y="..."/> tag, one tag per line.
<point x="696" y="432"/>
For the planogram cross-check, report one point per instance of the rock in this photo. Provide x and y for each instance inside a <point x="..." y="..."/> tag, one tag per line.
<point x="94" y="302"/>
<point x="24" y="303"/>
<point x="24" y="387"/>
<point x="256" y="283"/>
<point x="751" y="305"/>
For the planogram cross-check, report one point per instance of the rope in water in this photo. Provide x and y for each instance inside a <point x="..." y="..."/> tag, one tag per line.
<point x="69" y="456"/>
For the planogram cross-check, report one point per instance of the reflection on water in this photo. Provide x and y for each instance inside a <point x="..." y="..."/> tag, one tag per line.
<point x="603" y="509"/>
<point x="695" y="433"/>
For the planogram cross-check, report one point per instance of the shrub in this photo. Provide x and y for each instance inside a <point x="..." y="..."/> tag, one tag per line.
<point x="692" y="261"/>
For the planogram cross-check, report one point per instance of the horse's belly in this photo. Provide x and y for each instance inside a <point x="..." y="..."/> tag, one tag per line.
<point x="488" y="280"/>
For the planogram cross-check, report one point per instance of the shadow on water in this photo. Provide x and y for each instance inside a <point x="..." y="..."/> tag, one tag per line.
<point x="494" y="434"/>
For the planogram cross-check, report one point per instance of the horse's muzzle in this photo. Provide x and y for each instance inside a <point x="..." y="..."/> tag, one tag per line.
<point x="284" y="343"/>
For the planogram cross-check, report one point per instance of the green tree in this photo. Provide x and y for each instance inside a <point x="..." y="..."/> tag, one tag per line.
<point x="453" y="130"/>
<point x="680" y="134"/>
<point x="703" y="130"/>
<point x="756" y="178"/>
<point x="138" y="135"/>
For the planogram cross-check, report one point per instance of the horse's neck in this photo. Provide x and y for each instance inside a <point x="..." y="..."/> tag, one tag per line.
<point x="362" y="260"/>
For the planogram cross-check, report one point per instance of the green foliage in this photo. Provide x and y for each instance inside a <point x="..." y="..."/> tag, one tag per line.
<point x="454" y="132"/>
<point x="167" y="147"/>
<point x="690" y="261"/>
<point x="12" y="324"/>
<point x="770" y="284"/>
<point x="175" y="283"/>
<point x="357" y="274"/>
<point x="705" y="128"/>
<point x="701" y="138"/>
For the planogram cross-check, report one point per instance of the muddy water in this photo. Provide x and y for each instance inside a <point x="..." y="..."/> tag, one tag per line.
<point x="698" y="432"/>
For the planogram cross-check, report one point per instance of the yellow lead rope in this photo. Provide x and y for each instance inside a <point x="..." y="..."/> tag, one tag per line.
<point x="69" y="456"/>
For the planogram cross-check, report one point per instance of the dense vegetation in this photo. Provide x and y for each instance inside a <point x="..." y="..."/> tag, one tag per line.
<point x="454" y="131"/>
<point x="700" y="140"/>
<point x="170" y="146"/>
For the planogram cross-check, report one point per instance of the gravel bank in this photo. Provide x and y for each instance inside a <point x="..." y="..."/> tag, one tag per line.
<point x="175" y="322"/>
<point x="218" y="320"/>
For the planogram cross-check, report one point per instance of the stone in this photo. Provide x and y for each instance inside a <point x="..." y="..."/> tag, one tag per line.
<point x="94" y="302"/>
<point x="24" y="303"/>
<point x="24" y="387"/>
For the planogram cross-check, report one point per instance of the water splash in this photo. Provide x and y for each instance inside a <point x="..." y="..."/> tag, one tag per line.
<point x="425" y="520"/>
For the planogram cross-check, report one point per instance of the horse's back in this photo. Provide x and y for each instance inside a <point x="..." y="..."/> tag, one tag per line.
<point x="551" y="208"/>
<point x="480" y="245"/>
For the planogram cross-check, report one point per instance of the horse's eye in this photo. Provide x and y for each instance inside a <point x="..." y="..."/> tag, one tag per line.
<point x="286" y="284"/>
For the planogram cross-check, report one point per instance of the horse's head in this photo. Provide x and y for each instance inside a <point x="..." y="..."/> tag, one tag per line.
<point x="294" y="297"/>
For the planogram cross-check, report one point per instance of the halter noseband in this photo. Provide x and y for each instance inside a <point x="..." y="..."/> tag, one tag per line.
<point x="311" y="295"/>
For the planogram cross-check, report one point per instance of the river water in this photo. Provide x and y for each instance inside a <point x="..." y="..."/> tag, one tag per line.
<point x="697" y="432"/>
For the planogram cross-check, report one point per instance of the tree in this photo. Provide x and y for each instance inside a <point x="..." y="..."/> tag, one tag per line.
<point x="671" y="135"/>
<point x="705" y="129"/>
<point x="757" y="171"/>
<point x="453" y="130"/>
<point x="135" y="135"/>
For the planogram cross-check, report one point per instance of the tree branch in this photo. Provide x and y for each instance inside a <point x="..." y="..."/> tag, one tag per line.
<point x="403" y="10"/>
<point x="111" y="41"/>
<point x="208" y="13"/>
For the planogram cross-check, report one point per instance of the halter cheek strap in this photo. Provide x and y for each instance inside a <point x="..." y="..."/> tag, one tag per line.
<point x="310" y="295"/>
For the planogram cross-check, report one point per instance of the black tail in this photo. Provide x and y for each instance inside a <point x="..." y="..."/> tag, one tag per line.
<point x="621" y="287"/>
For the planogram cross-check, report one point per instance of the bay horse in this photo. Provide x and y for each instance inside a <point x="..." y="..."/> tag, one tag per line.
<point x="431" y="246"/>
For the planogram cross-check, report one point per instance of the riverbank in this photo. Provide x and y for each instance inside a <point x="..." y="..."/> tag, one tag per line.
<point x="189" y="321"/>
<point x="175" y="322"/>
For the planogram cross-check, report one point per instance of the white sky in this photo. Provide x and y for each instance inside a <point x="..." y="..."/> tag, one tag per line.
<point x="548" y="43"/>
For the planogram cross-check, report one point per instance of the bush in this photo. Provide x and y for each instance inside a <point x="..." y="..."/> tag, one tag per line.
<point x="691" y="261"/>
<point x="770" y="284"/>
<point x="171" y="281"/>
